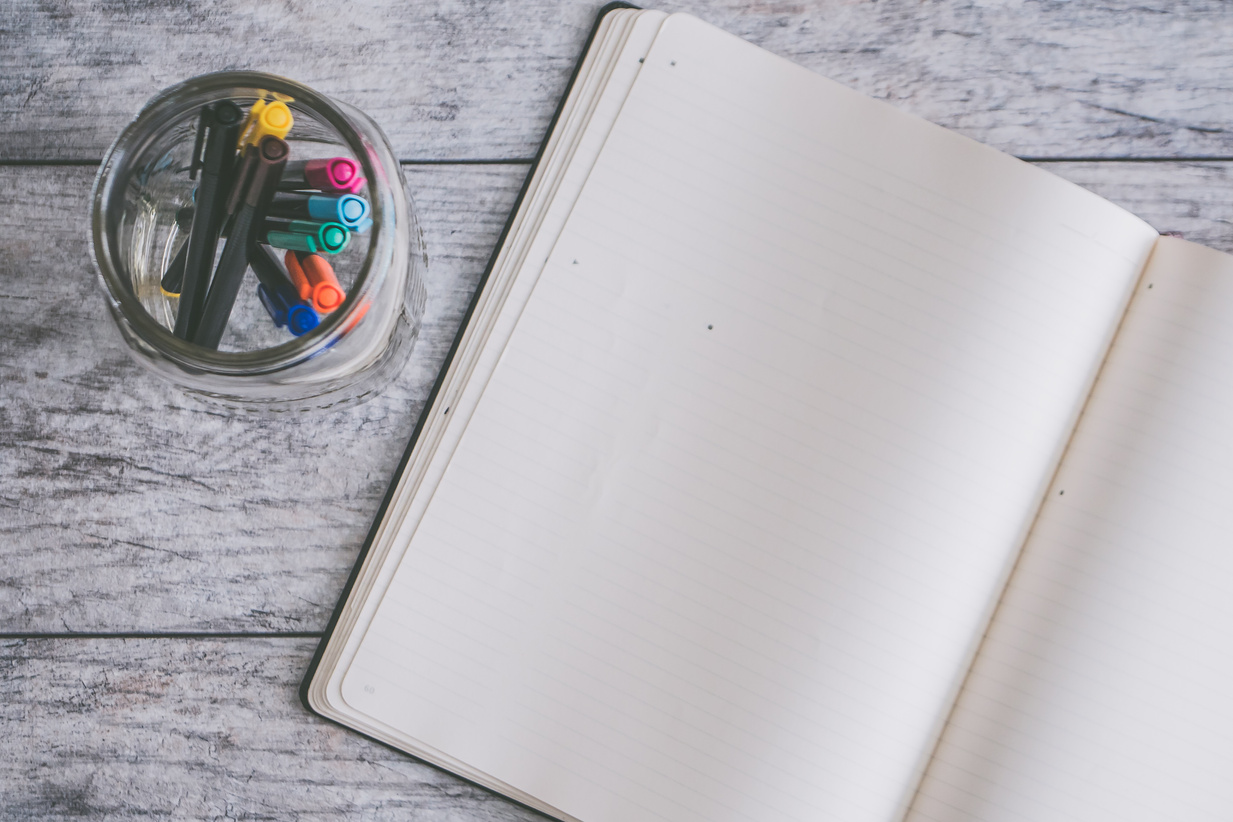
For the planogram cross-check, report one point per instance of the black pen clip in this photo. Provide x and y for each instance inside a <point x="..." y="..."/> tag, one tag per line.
<point x="204" y="122"/>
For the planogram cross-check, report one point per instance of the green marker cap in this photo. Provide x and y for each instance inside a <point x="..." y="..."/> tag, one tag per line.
<point x="291" y="241"/>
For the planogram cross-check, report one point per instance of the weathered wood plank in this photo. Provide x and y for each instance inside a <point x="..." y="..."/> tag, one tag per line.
<point x="123" y="502"/>
<point x="1195" y="199"/>
<point x="176" y="729"/>
<point x="475" y="79"/>
<point x="126" y="507"/>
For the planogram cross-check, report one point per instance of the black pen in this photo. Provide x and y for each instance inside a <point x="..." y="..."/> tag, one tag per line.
<point x="218" y="130"/>
<point x="239" y="180"/>
<point x="271" y="157"/>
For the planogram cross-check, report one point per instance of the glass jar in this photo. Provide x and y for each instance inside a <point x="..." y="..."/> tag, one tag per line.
<point x="355" y="350"/>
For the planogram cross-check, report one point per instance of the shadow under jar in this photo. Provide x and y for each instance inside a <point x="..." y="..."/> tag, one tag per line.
<point x="355" y="351"/>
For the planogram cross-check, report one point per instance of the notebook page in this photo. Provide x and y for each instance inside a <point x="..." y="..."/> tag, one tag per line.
<point x="1103" y="689"/>
<point x="607" y="71"/>
<point x="612" y="62"/>
<point x="723" y="529"/>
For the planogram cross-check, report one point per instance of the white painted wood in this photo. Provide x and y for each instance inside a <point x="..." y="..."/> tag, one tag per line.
<point x="473" y="79"/>
<point x="124" y="502"/>
<point x="199" y="730"/>
<point x="127" y="507"/>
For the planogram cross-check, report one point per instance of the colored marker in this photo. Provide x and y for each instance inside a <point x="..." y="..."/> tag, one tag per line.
<point x="329" y="238"/>
<point x="217" y="131"/>
<point x="348" y="209"/>
<point x="332" y="174"/>
<point x="327" y="294"/>
<point x="265" y="118"/>
<point x="280" y="298"/>
<point x="272" y="155"/>
<point x="315" y="281"/>
<point x="298" y="278"/>
<point x="297" y="317"/>
<point x="287" y="241"/>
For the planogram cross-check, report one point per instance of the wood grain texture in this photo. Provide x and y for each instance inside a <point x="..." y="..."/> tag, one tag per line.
<point x="125" y="503"/>
<point x="474" y="79"/>
<point x="198" y="730"/>
<point x="1194" y="199"/>
<point x="125" y="506"/>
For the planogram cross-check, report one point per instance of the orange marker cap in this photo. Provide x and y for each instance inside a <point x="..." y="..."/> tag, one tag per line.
<point x="327" y="294"/>
<point x="298" y="278"/>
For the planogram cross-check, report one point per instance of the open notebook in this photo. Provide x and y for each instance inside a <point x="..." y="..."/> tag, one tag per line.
<point x="802" y="460"/>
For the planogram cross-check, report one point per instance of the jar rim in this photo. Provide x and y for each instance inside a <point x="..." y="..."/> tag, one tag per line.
<point x="165" y="107"/>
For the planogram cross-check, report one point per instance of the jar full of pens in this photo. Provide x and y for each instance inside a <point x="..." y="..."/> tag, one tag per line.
<point x="258" y="244"/>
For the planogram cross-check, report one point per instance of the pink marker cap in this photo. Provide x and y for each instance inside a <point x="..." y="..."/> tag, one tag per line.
<point x="334" y="174"/>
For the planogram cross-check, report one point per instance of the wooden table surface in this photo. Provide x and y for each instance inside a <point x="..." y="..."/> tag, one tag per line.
<point x="167" y="569"/>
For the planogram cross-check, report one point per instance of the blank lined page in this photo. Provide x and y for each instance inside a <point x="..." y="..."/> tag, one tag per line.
<point x="1103" y="690"/>
<point x="732" y="511"/>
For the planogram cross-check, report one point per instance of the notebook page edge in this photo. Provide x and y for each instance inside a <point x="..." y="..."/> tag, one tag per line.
<point x="484" y="346"/>
<point x="314" y="690"/>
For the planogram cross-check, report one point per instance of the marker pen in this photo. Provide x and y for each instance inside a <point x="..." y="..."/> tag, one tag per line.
<point x="279" y="296"/>
<point x="219" y="126"/>
<point x="238" y="182"/>
<point x="298" y="278"/>
<point x="327" y="294"/>
<point x="329" y="238"/>
<point x="347" y="209"/>
<point x="265" y="118"/>
<point x="288" y="241"/>
<point x="315" y="281"/>
<point x="330" y="174"/>
<point x="272" y="155"/>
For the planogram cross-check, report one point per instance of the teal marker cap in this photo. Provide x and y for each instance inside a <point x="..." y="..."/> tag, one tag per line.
<point x="291" y="241"/>
<point x="330" y="237"/>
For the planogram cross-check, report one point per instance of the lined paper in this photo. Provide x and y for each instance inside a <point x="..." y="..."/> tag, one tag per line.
<point x="622" y="40"/>
<point x="725" y="525"/>
<point x="1103" y="689"/>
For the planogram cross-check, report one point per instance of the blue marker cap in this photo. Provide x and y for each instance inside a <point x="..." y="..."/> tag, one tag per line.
<point x="347" y="209"/>
<point x="352" y="209"/>
<point x="362" y="226"/>
<point x="301" y="319"/>
<point x="286" y="309"/>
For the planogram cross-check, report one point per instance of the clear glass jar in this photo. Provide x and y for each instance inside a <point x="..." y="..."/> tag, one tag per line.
<point x="354" y="352"/>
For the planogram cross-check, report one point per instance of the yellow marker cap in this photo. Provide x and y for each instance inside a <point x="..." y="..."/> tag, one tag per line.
<point x="248" y="123"/>
<point x="266" y="118"/>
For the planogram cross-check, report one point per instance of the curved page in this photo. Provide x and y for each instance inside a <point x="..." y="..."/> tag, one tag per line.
<point x="1102" y="691"/>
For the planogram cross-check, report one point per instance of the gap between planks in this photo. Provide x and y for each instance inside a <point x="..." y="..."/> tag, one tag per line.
<point x="498" y="161"/>
<point x="17" y="636"/>
<point x="519" y="161"/>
